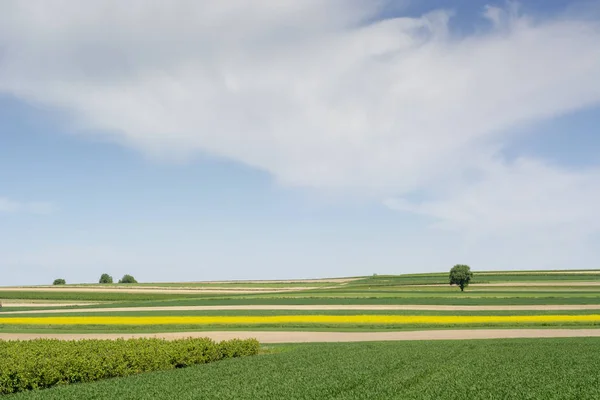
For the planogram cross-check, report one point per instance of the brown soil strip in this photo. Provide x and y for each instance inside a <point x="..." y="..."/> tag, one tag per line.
<point x="320" y="308"/>
<point x="304" y="337"/>
<point x="184" y="287"/>
<point x="326" y="280"/>
<point x="141" y="289"/>
<point x="19" y="305"/>
<point x="596" y="272"/>
<point x="557" y="284"/>
<point x="517" y="284"/>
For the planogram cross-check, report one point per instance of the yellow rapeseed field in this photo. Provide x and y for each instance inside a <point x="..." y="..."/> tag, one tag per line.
<point x="302" y="319"/>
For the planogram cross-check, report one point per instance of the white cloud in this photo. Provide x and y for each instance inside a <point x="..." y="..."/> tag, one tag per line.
<point x="318" y="102"/>
<point x="510" y="198"/>
<point x="318" y="97"/>
<point x="34" y="207"/>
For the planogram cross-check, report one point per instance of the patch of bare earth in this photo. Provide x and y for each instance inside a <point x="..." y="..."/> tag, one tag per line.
<point x="326" y="280"/>
<point x="158" y="289"/>
<point x="517" y="284"/>
<point x="306" y="337"/>
<point x="593" y="272"/>
<point x="20" y="305"/>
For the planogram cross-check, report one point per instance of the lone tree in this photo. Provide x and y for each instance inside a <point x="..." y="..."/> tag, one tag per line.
<point x="59" y="281"/>
<point x="106" y="278"/>
<point x="460" y="275"/>
<point x="127" y="279"/>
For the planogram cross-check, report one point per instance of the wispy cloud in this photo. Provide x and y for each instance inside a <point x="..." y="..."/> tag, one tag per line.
<point x="318" y="97"/>
<point x="511" y="198"/>
<point x="318" y="102"/>
<point x="33" y="207"/>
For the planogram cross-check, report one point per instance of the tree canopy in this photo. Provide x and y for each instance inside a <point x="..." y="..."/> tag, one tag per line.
<point x="461" y="275"/>
<point x="127" y="279"/>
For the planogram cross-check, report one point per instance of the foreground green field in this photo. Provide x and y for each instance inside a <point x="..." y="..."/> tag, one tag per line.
<point x="481" y="369"/>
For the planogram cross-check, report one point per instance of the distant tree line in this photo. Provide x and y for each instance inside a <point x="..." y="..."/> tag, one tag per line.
<point x="104" y="279"/>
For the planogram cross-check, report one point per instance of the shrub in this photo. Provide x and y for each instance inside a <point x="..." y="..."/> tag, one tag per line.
<point x="59" y="281"/>
<point x="42" y="363"/>
<point x="105" y="278"/>
<point x="127" y="279"/>
<point x="238" y="348"/>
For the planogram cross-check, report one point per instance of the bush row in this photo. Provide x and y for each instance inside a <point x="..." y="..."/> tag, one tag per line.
<point x="42" y="363"/>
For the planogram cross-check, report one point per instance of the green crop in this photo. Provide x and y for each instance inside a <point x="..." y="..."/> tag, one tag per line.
<point x="27" y="365"/>
<point x="480" y="369"/>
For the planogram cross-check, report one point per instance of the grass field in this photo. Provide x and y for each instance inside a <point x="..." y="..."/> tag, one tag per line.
<point x="481" y="369"/>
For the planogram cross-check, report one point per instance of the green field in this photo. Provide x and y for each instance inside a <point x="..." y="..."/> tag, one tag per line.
<point x="372" y="298"/>
<point x="521" y="288"/>
<point x="480" y="369"/>
<point x="516" y="288"/>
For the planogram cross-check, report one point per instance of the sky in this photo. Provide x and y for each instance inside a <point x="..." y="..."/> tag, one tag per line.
<point x="186" y="141"/>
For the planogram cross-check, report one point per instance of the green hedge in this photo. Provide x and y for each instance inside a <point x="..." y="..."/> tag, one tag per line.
<point x="42" y="363"/>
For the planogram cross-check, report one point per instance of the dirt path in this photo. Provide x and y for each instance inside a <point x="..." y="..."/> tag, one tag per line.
<point x="516" y="284"/>
<point x="182" y="287"/>
<point x="146" y="289"/>
<point x="325" y="280"/>
<point x="304" y="337"/>
<point x="19" y="305"/>
<point x="565" y="307"/>
<point x="541" y="284"/>
<point x="533" y="272"/>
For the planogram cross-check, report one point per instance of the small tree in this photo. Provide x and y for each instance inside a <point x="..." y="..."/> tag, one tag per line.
<point x="127" y="279"/>
<point x="59" y="281"/>
<point x="460" y="275"/>
<point x="106" y="278"/>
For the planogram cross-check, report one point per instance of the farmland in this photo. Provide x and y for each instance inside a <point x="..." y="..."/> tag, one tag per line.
<point x="487" y="288"/>
<point x="553" y="306"/>
<point x="489" y="302"/>
<point x="484" y="369"/>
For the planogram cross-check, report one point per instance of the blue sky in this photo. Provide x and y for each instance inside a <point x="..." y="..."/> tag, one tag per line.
<point x="297" y="139"/>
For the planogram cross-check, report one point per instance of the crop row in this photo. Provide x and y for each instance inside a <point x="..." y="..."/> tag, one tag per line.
<point x="368" y="319"/>
<point x="36" y="364"/>
<point x="504" y="298"/>
<point x="369" y="294"/>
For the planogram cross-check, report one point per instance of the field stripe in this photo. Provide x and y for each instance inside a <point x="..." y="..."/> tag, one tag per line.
<point x="317" y="307"/>
<point x="150" y="290"/>
<point x="305" y="337"/>
<point x="550" y="283"/>
<point x="302" y="319"/>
